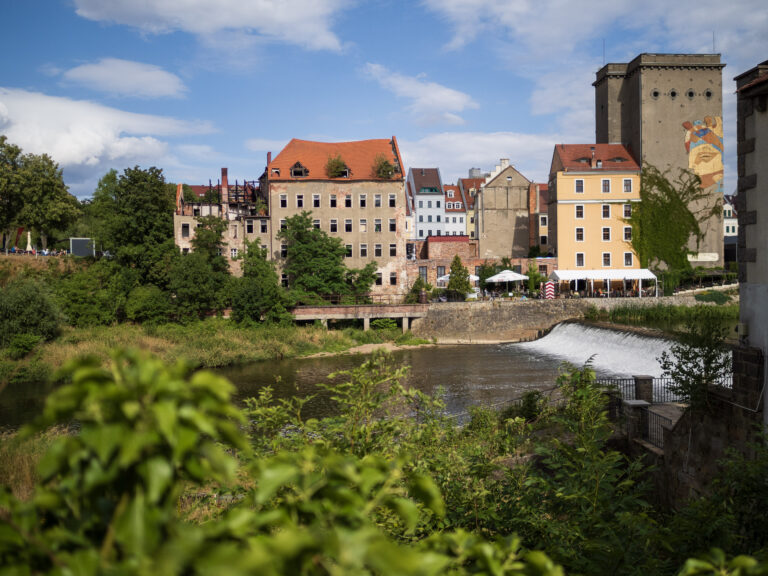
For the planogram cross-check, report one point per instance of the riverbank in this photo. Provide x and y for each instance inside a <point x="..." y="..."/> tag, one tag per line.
<point x="212" y="343"/>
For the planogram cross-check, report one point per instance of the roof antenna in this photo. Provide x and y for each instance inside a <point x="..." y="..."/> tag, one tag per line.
<point x="603" y="51"/>
<point x="713" y="43"/>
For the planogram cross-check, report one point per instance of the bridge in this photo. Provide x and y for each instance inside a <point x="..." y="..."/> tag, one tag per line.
<point x="404" y="312"/>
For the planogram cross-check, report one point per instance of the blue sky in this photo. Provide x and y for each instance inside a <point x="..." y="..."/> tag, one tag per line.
<point x="194" y="85"/>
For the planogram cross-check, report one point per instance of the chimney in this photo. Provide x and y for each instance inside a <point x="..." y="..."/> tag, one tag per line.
<point x="592" y="162"/>
<point x="504" y="163"/>
<point x="224" y="187"/>
<point x="269" y="159"/>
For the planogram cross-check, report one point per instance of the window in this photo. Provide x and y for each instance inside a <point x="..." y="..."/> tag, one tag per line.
<point x="284" y="280"/>
<point x="363" y="250"/>
<point x="579" y="234"/>
<point x="348" y="201"/>
<point x="627" y="210"/>
<point x="449" y="205"/>
<point x="421" y="203"/>
<point x="543" y="269"/>
<point x="282" y="225"/>
<point x="283" y="201"/>
<point x="377" y="200"/>
<point x="429" y="203"/>
<point x="392" y="225"/>
<point x="627" y="185"/>
<point x="423" y="272"/>
<point x="421" y="233"/>
<point x="627" y="258"/>
<point x="348" y="253"/>
<point x="438" y="217"/>
<point x="185" y="250"/>
<point x="542" y="240"/>
<point x="606" y="234"/>
<point x="429" y="217"/>
<point x="461" y="219"/>
<point x="195" y="211"/>
<point x="377" y="250"/>
<point x="457" y="205"/>
<point x="439" y="232"/>
<point x="233" y="253"/>
<point x="233" y="231"/>
<point x="606" y="185"/>
<point x="378" y="278"/>
<point x="334" y="226"/>
<point x="450" y="193"/>
<point x="393" y="249"/>
<point x="348" y="225"/>
<point x="471" y="220"/>
<point x="315" y="200"/>
<point x="542" y="220"/>
<point x="454" y="219"/>
<point x="437" y="204"/>
<point x="332" y="200"/>
<point x="472" y="234"/>
<point x="249" y="226"/>
<point x="377" y="225"/>
<point x="628" y="233"/>
<point x="363" y="200"/>
<point x="440" y="271"/>
<point x="263" y="227"/>
<point x="579" y="186"/>
<point x="316" y="224"/>
<point x="579" y="259"/>
<point x="579" y="211"/>
<point x="297" y="171"/>
<point x="393" y="278"/>
<point x="429" y="232"/>
<point x="421" y="217"/>
<point x="392" y="200"/>
<point x="185" y="230"/>
<point x="283" y="251"/>
<point x="363" y="225"/>
<point x="606" y="211"/>
<point x="299" y="200"/>
<point x="606" y="259"/>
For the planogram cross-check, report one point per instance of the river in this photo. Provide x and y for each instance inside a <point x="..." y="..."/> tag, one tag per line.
<point x="466" y="375"/>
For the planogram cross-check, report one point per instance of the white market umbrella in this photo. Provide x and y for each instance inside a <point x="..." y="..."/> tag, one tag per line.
<point x="506" y="276"/>
<point x="472" y="278"/>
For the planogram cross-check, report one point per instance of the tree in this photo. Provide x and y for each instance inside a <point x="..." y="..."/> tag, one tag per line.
<point x="382" y="168"/>
<point x="699" y="358"/>
<point x="208" y="241"/>
<point x="48" y="205"/>
<point x="314" y="260"/>
<point x="256" y="296"/>
<point x="668" y="216"/>
<point x="335" y="167"/>
<point x="535" y="278"/>
<point x="11" y="196"/>
<point x="26" y="307"/>
<point x="419" y="286"/>
<point x="196" y="289"/>
<point x="458" y="284"/>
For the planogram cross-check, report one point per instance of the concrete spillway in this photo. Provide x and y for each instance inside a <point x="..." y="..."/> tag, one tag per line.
<point x="615" y="353"/>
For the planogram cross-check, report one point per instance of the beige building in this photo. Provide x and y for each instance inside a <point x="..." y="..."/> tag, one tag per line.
<point x="667" y="110"/>
<point x="751" y="361"/>
<point x="501" y="214"/>
<point x="592" y="188"/>
<point x="363" y="208"/>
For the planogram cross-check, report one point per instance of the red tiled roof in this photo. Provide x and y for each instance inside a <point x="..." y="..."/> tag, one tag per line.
<point x="425" y="178"/>
<point x="468" y="183"/>
<point x="359" y="157"/>
<point x="755" y="82"/>
<point x="457" y="198"/>
<point x="579" y="156"/>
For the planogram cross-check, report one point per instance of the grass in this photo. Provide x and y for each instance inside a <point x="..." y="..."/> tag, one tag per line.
<point x="664" y="316"/>
<point x="19" y="459"/>
<point x="210" y="343"/>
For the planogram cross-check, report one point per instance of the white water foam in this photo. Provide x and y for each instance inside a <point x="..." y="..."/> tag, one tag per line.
<point x="615" y="353"/>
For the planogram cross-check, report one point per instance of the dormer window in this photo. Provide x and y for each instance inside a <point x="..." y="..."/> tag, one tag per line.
<point x="582" y="160"/>
<point x="276" y="172"/>
<point x="618" y="159"/>
<point x="599" y="163"/>
<point x="299" y="171"/>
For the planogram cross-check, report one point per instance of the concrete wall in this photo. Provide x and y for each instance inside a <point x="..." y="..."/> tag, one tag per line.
<point x="501" y="208"/>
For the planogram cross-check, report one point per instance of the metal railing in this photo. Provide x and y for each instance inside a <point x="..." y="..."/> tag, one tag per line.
<point x="625" y="386"/>
<point x="662" y="392"/>
<point x="653" y="432"/>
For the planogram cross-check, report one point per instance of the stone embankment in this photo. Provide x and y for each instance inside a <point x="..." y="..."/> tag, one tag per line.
<point x="516" y="320"/>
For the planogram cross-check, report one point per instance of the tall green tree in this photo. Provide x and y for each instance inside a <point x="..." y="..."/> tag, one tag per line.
<point x="257" y="296"/>
<point x="314" y="260"/>
<point x="668" y="216"/>
<point x="48" y="205"/>
<point x="458" y="284"/>
<point x="11" y="196"/>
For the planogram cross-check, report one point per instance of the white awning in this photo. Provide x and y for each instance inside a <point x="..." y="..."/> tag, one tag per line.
<point x="612" y="274"/>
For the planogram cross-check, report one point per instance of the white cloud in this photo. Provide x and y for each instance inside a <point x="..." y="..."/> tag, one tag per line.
<point x="265" y="145"/>
<point x="456" y="152"/>
<point x="86" y="138"/>
<point x="126" y="78"/>
<point x="430" y="102"/>
<point x="306" y="23"/>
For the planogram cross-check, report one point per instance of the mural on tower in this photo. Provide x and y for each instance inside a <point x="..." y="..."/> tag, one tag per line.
<point x="704" y="143"/>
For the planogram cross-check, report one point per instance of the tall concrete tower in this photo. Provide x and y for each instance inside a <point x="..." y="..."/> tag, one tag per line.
<point x="667" y="109"/>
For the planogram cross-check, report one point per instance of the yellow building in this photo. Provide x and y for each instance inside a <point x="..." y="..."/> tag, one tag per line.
<point x="592" y="188"/>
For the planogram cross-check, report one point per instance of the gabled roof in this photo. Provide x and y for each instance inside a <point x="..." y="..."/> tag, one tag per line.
<point x="594" y="157"/>
<point x="358" y="156"/>
<point x="425" y="180"/>
<point x="468" y="183"/>
<point x="457" y="197"/>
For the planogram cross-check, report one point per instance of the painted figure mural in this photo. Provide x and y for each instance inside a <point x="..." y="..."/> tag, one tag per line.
<point x="704" y="143"/>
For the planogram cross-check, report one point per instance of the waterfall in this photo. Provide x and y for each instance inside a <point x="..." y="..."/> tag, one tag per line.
<point x="616" y="353"/>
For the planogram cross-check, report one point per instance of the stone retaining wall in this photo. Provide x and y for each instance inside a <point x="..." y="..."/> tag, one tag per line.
<point x="515" y="320"/>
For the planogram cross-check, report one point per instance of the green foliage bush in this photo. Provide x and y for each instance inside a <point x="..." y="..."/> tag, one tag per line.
<point x="718" y="298"/>
<point x="383" y="168"/>
<point x="335" y="167"/>
<point x="148" y="304"/>
<point x="27" y="308"/>
<point x="21" y="345"/>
